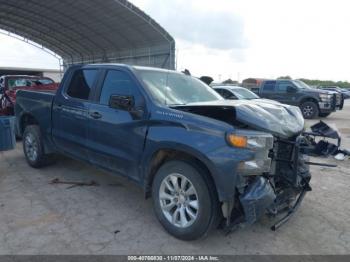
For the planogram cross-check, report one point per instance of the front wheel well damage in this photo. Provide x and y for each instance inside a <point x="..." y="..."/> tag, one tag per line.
<point x="164" y="155"/>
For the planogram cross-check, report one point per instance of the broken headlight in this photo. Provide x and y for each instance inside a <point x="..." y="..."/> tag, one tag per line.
<point x="260" y="144"/>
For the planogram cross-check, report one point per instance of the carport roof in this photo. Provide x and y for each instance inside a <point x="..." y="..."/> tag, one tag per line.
<point x="85" y="31"/>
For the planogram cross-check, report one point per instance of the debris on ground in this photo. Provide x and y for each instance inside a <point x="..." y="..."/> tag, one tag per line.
<point x="324" y="147"/>
<point x="74" y="184"/>
<point x="341" y="156"/>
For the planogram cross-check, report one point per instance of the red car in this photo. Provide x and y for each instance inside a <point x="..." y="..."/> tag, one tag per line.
<point x="10" y="84"/>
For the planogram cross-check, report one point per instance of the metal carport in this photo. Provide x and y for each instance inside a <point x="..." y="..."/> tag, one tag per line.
<point x="90" y="31"/>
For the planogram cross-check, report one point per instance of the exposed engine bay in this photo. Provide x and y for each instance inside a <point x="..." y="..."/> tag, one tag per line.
<point x="282" y="187"/>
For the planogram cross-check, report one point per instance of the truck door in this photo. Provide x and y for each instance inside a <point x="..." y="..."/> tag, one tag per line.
<point x="70" y="113"/>
<point x="282" y="95"/>
<point x="117" y="129"/>
<point x="268" y="90"/>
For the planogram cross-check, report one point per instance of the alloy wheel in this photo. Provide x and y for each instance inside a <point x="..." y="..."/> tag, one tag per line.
<point x="308" y="111"/>
<point x="31" y="147"/>
<point x="179" y="200"/>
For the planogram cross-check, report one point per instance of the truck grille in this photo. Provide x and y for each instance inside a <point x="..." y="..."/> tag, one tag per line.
<point x="338" y="99"/>
<point x="285" y="167"/>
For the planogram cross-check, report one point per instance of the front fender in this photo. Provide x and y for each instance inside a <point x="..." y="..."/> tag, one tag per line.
<point x="210" y="148"/>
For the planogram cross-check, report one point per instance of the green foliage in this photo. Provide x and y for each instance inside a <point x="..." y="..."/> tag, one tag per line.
<point x="340" y="84"/>
<point x="285" y="78"/>
<point x="230" y="81"/>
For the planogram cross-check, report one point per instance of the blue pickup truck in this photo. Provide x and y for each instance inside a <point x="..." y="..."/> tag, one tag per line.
<point x="204" y="160"/>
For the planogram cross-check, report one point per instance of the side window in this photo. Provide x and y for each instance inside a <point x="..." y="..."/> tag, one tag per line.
<point x="81" y="83"/>
<point x="269" y="86"/>
<point x="116" y="83"/>
<point x="228" y="95"/>
<point x="282" y="87"/>
<point x="219" y="91"/>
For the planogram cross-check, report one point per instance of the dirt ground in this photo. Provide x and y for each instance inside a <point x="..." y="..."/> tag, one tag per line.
<point x="113" y="218"/>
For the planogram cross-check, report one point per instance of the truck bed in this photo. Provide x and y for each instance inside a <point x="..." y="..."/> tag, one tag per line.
<point x="37" y="104"/>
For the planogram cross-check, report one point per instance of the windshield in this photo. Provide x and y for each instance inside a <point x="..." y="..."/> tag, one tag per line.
<point x="301" y="84"/>
<point x="172" y="88"/>
<point x="242" y="93"/>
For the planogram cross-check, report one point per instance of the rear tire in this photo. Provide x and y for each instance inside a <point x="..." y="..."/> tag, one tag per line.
<point x="309" y="110"/>
<point x="324" y="114"/>
<point x="184" y="200"/>
<point x="33" y="148"/>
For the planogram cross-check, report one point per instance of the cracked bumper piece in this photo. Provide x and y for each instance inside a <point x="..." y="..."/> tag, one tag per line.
<point x="258" y="197"/>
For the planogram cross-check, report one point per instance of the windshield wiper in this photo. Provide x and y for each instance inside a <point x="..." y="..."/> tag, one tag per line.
<point x="183" y="104"/>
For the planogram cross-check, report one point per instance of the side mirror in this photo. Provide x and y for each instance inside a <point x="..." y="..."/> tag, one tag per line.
<point x="121" y="102"/>
<point x="291" y="89"/>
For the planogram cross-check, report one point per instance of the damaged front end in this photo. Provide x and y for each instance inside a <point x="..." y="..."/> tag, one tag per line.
<point x="277" y="178"/>
<point x="281" y="190"/>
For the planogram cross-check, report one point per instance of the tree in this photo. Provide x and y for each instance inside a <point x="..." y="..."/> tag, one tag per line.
<point x="285" y="77"/>
<point x="207" y="79"/>
<point x="230" y="82"/>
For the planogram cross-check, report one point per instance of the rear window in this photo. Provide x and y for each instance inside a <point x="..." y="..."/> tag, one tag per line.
<point x="269" y="86"/>
<point x="81" y="83"/>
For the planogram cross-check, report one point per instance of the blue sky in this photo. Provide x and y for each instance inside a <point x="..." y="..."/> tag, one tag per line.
<point x="239" y="38"/>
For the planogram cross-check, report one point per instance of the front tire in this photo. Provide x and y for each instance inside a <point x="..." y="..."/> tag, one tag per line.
<point x="309" y="110"/>
<point x="33" y="148"/>
<point x="184" y="200"/>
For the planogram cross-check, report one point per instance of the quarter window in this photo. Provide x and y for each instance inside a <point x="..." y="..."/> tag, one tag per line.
<point x="82" y="83"/>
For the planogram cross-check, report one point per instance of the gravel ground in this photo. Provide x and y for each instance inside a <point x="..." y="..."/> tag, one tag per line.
<point x="113" y="218"/>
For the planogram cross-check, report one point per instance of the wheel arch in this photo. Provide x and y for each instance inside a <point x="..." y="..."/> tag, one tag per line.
<point x="164" y="154"/>
<point x="309" y="99"/>
<point x="25" y="120"/>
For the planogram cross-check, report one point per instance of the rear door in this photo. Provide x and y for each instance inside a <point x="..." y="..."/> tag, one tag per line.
<point x="116" y="136"/>
<point x="268" y="90"/>
<point x="70" y="112"/>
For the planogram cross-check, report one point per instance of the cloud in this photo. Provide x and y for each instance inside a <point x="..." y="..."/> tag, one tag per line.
<point x="194" y="22"/>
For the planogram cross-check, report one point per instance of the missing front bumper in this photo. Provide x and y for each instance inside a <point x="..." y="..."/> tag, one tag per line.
<point x="283" y="190"/>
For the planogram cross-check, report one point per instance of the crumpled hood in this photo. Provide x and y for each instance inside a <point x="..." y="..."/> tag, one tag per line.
<point x="280" y="119"/>
<point x="265" y="115"/>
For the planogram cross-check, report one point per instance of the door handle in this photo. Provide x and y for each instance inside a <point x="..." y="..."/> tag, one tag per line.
<point x="95" y="115"/>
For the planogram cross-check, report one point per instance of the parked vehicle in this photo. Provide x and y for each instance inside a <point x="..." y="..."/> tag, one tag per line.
<point x="204" y="160"/>
<point x="312" y="102"/>
<point x="345" y="92"/>
<point x="252" y="84"/>
<point x="231" y="92"/>
<point x="10" y="84"/>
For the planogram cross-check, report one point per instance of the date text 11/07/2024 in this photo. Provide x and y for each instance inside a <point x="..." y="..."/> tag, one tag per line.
<point x="173" y="258"/>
